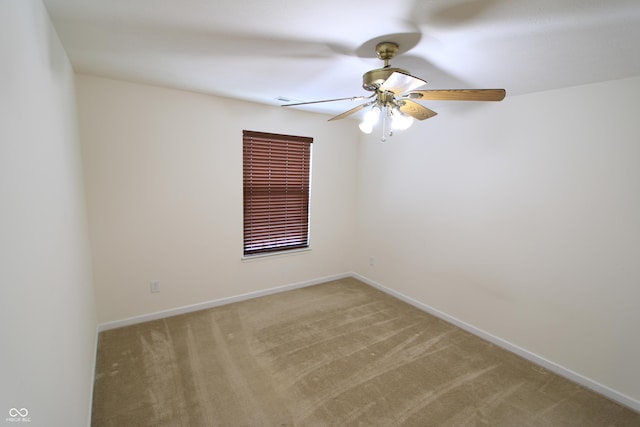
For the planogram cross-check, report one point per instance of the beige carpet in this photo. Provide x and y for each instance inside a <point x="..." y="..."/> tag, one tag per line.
<point x="336" y="354"/>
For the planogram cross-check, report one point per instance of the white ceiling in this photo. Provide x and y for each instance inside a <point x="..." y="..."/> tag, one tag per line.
<point x="309" y="50"/>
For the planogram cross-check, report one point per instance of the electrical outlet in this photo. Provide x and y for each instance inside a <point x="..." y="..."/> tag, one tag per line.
<point x="155" y="286"/>
<point x="372" y="261"/>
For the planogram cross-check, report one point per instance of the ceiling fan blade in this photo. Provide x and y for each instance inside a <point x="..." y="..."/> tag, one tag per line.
<point x="399" y="83"/>
<point x="415" y="110"/>
<point x="353" y="98"/>
<point x="459" y="94"/>
<point x="351" y="111"/>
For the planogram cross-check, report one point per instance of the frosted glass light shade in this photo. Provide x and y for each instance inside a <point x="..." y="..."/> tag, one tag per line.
<point x="370" y="119"/>
<point x="400" y="121"/>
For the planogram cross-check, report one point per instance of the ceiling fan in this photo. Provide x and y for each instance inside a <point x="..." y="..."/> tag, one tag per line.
<point x="394" y="95"/>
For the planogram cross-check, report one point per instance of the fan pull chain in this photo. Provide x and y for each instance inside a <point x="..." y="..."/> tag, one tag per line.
<point x="385" y="117"/>
<point x="384" y="125"/>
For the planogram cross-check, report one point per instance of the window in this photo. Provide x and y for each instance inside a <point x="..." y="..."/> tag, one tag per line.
<point x="276" y="179"/>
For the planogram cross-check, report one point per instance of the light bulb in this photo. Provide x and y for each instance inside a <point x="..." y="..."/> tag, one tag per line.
<point x="372" y="115"/>
<point x="370" y="119"/>
<point x="400" y="121"/>
<point x="365" y="127"/>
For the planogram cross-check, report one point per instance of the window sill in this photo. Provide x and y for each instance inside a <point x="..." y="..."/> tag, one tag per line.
<point x="279" y="254"/>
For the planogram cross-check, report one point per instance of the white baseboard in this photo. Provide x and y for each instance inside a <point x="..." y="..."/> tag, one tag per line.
<point x="532" y="357"/>
<point x="215" y="303"/>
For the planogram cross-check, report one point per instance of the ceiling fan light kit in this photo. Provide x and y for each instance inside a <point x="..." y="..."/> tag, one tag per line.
<point x="394" y="92"/>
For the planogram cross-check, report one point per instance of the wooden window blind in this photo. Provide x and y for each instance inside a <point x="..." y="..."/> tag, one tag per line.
<point x="276" y="180"/>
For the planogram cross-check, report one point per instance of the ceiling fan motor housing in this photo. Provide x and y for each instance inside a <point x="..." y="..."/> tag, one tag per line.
<point x="372" y="80"/>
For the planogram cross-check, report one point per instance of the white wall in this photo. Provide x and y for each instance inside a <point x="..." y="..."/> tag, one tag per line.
<point x="164" y="181"/>
<point x="521" y="218"/>
<point x="47" y="310"/>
